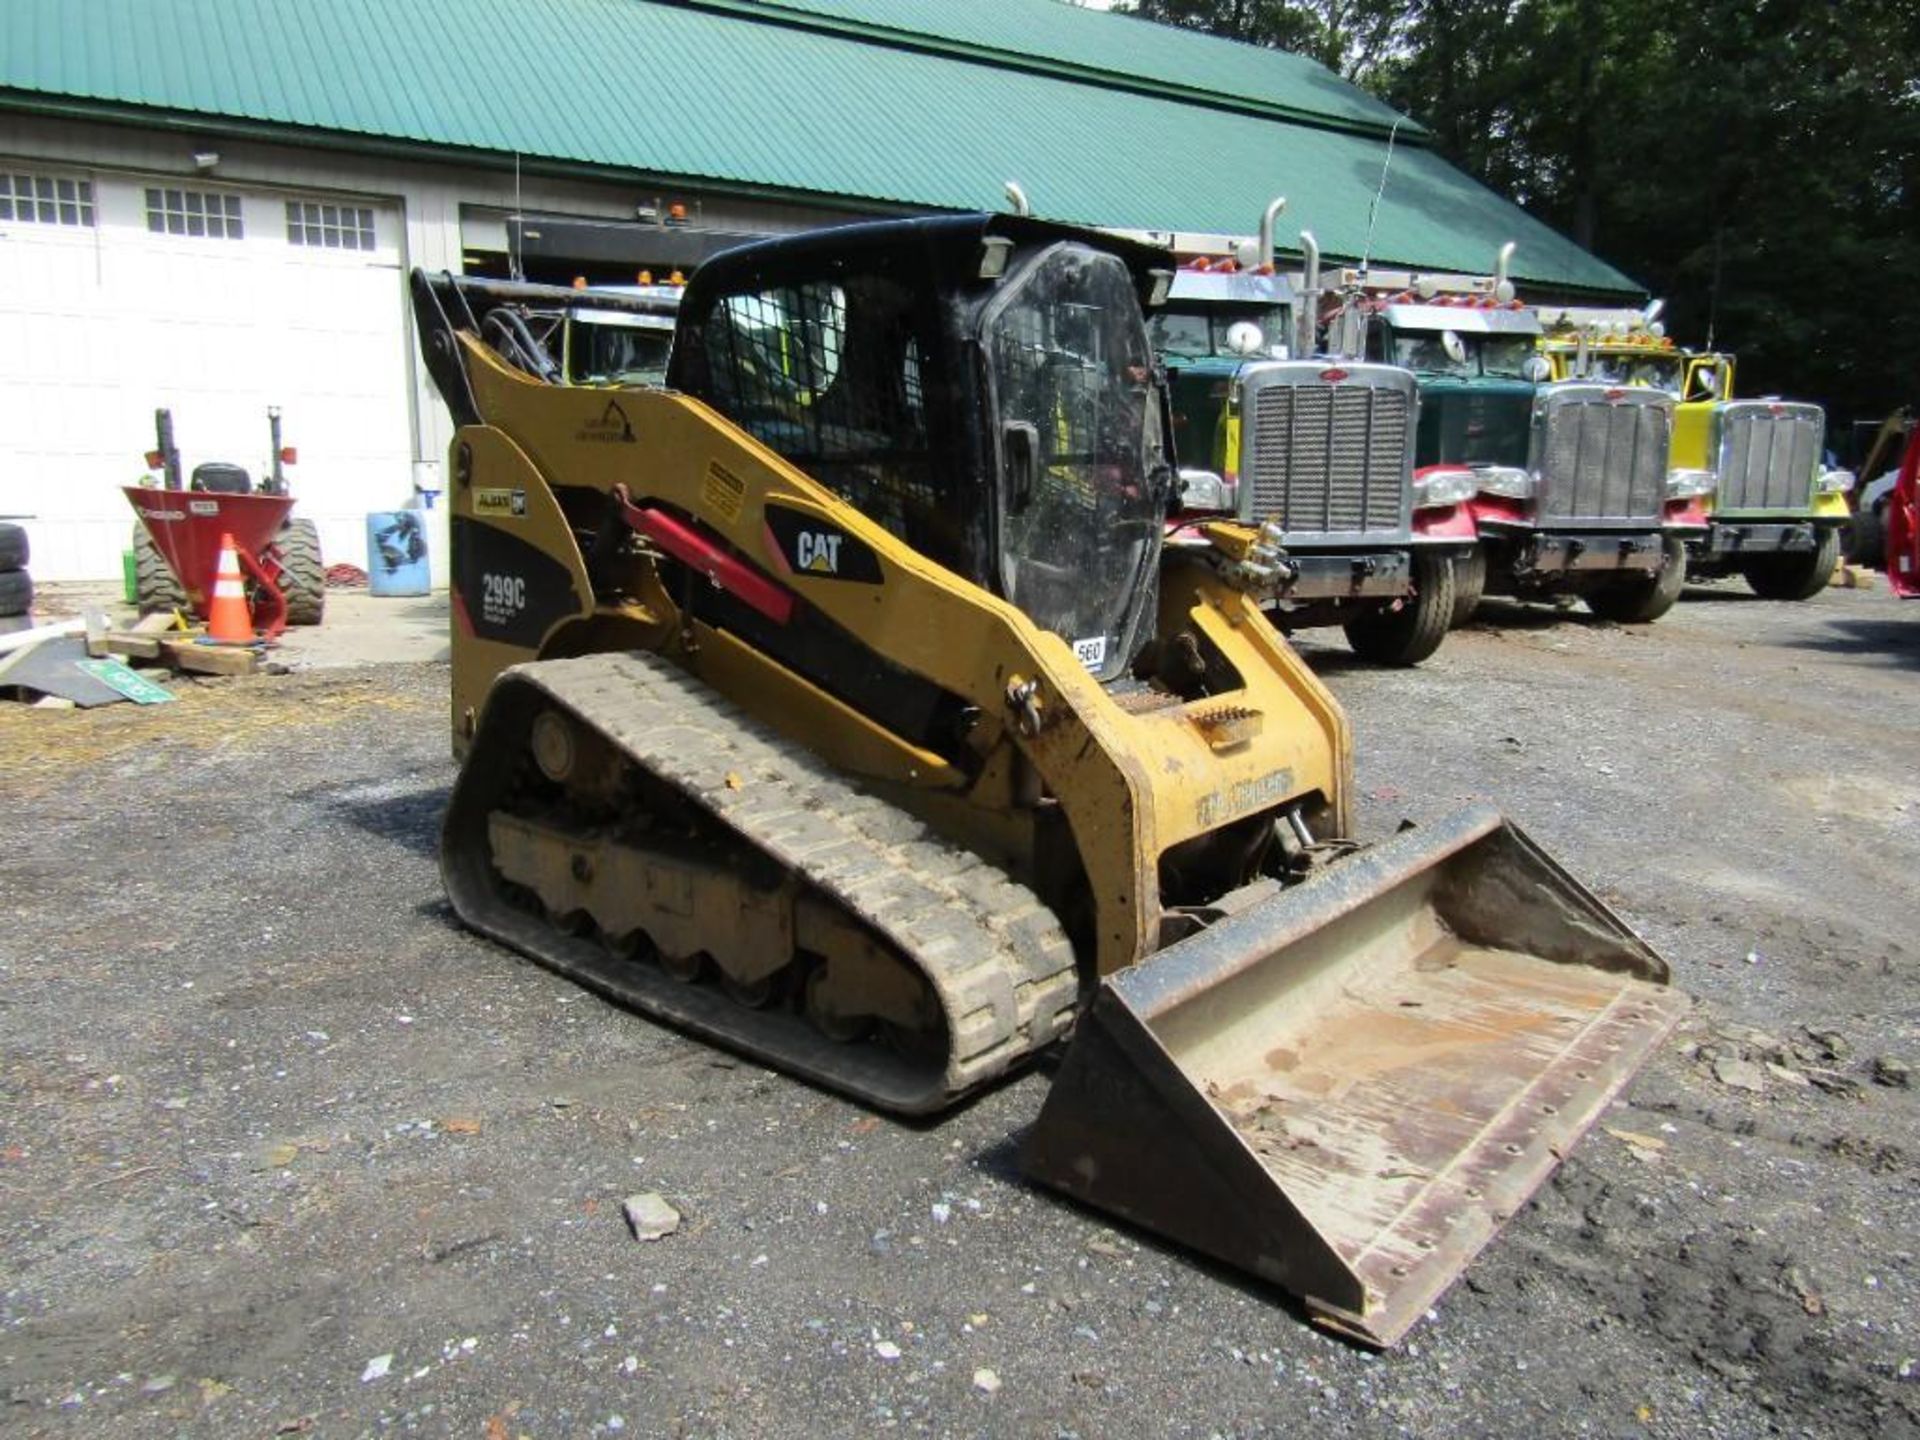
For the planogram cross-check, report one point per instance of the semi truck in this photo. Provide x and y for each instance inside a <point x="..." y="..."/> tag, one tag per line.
<point x="1316" y="449"/>
<point x="1771" y="510"/>
<point x="1572" y="494"/>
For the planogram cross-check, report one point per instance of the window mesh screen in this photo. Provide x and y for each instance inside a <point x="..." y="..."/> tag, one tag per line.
<point x="830" y="375"/>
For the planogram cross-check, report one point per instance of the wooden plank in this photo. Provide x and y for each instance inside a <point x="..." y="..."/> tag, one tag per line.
<point x="131" y="646"/>
<point x="210" y="659"/>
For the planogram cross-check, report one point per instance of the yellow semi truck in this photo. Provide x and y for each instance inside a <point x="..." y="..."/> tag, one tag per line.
<point x="1771" y="510"/>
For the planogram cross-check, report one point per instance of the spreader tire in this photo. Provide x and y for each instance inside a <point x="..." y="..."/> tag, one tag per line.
<point x="156" y="591"/>
<point x="305" y="575"/>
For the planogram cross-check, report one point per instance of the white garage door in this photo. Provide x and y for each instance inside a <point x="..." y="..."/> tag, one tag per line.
<point x="120" y="296"/>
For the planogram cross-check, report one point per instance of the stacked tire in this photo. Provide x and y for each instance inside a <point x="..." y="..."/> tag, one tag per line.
<point x="16" y="585"/>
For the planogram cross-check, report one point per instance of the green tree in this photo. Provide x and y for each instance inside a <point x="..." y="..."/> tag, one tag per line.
<point x="1349" y="37"/>
<point x="1756" y="162"/>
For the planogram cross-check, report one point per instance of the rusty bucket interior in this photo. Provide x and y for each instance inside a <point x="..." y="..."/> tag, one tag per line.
<point x="1347" y="1089"/>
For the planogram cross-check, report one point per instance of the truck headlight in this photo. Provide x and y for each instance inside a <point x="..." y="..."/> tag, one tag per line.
<point x="1691" y="484"/>
<point x="1446" y="485"/>
<point x="1204" y="491"/>
<point x="1508" y="480"/>
<point x="1835" y="482"/>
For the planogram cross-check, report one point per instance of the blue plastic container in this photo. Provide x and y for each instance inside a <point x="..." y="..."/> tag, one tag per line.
<point x="397" y="553"/>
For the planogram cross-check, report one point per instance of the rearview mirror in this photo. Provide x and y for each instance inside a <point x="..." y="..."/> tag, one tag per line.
<point x="1537" y="369"/>
<point x="1244" y="338"/>
<point x="1455" y="347"/>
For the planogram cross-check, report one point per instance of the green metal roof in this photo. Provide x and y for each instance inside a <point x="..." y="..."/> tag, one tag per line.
<point x="1111" y="49"/>
<point x="797" y="98"/>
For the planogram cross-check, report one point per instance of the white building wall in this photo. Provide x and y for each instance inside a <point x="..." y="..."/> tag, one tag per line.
<point x="98" y="330"/>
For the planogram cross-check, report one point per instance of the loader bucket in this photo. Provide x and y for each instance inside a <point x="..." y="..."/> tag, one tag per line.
<point x="1347" y="1088"/>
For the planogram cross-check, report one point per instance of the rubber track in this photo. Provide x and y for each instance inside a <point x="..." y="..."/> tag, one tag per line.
<point x="997" y="958"/>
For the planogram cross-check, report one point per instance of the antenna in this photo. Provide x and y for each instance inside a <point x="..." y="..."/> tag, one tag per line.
<point x="1373" y="210"/>
<point x="514" y="238"/>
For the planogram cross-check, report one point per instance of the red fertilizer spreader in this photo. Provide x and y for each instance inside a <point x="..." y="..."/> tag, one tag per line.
<point x="177" y="547"/>
<point x="187" y="526"/>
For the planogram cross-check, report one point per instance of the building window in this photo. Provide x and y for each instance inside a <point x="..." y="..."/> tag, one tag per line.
<point x="46" y="200"/>
<point x="333" y="227"/>
<point x="194" y="212"/>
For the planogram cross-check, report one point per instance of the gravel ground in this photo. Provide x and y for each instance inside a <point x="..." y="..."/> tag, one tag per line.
<point x="284" y="1151"/>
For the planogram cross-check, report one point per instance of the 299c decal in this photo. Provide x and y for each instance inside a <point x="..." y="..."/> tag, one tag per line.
<point x="505" y="588"/>
<point x="502" y="597"/>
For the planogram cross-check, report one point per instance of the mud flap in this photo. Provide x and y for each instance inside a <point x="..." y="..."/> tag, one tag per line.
<point x="1348" y="1088"/>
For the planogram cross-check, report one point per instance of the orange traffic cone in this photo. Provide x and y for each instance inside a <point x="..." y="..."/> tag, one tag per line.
<point x="228" y="619"/>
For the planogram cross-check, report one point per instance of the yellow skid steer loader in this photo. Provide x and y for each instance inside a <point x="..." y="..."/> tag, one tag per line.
<point x="838" y="702"/>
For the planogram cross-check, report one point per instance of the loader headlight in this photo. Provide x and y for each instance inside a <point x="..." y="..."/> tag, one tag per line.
<point x="1202" y="490"/>
<point x="994" y="251"/>
<point x="1507" y="480"/>
<point x="1835" y="482"/>
<point x="1444" y="486"/>
<point x="1691" y="484"/>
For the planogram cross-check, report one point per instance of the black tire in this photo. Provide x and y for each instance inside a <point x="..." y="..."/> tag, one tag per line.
<point x="304" y="573"/>
<point x="1867" y="545"/>
<point x="156" y="591"/>
<point x="1794" y="576"/>
<point x="1469" y="584"/>
<point x="1643" y="599"/>
<point x="16" y="592"/>
<point x="1410" y="634"/>
<point x="13" y="547"/>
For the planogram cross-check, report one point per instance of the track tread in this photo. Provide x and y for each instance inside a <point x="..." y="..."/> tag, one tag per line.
<point x="1001" y="964"/>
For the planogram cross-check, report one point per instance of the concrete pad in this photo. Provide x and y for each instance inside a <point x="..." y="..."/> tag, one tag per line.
<point x="360" y="628"/>
<point x="365" y="629"/>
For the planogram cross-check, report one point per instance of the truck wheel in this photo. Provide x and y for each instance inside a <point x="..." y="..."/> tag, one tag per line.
<point x="16" y="592"/>
<point x="304" y="573"/>
<point x="1643" y="599"/>
<point x="1869" y="539"/>
<point x="1795" y="576"/>
<point x="156" y="591"/>
<point x="1469" y="584"/>
<point x="1413" y="632"/>
<point x="13" y="547"/>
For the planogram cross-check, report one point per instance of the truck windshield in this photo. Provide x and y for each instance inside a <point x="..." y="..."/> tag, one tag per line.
<point x="617" y="353"/>
<point x="1201" y="331"/>
<point x="1425" y="354"/>
<point x="1504" y="356"/>
<point x="1185" y="334"/>
<point x="1082" y="461"/>
<point x="1657" y="372"/>
<point x="1500" y="356"/>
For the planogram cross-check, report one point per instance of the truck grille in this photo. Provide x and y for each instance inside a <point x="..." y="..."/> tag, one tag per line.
<point x="1330" y="458"/>
<point x="1767" y="454"/>
<point x="1601" y="454"/>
